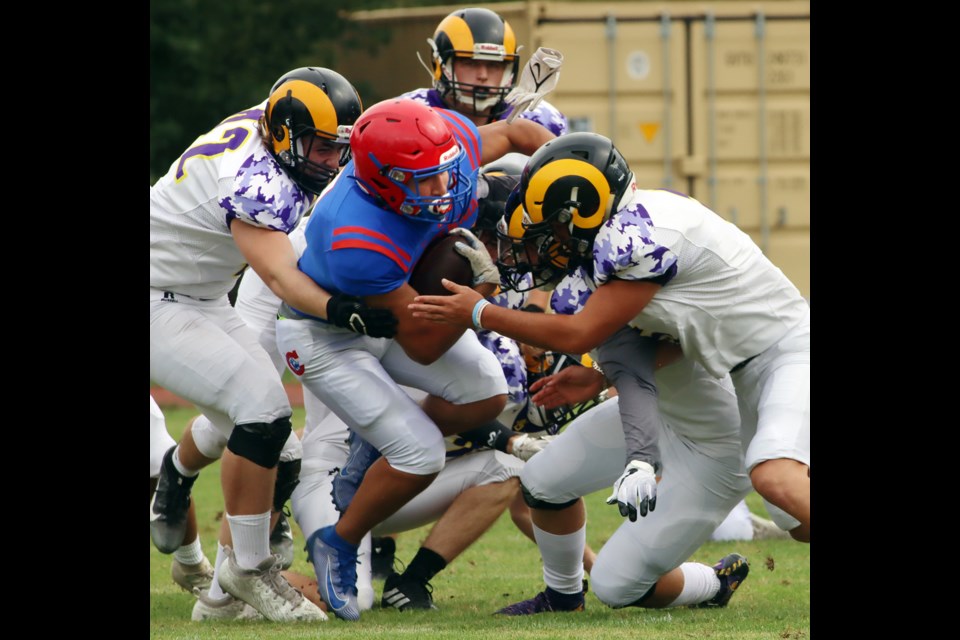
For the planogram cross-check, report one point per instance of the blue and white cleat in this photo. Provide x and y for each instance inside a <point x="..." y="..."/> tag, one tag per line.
<point x="348" y="478"/>
<point x="335" y="563"/>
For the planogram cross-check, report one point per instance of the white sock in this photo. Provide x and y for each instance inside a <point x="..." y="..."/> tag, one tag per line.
<point x="562" y="559"/>
<point x="365" y="592"/>
<point x="190" y="553"/>
<point x="700" y="583"/>
<point x="215" y="591"/>
<point x="251" y="538"/>
<point x="179" y="465"/>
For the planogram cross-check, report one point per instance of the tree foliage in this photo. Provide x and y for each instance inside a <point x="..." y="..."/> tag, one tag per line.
<point x="212" y="58"/>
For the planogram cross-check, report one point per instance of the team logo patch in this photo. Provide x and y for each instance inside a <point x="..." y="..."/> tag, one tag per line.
<point x="293" y="362"/>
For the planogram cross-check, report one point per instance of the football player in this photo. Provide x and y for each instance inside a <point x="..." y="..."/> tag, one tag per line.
<point x="734" y="314"/>
<point x="413" y="177"/>
<point x="475" y="65"/>
<point x="228" y="201"/>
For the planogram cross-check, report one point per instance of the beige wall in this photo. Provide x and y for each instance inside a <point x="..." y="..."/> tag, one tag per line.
<point x="708" y="98"/>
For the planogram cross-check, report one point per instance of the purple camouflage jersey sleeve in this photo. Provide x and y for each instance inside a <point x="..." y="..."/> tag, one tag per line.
<point x="544" y="114"/>
<point x="263" y="195"/>
<point x="429" y="97"/>
<point x="571" y="293"/>
<point x="625" y="248"/>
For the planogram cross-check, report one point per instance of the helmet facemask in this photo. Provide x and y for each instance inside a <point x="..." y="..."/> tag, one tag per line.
<point x="474" y="34"/>
<point x="310" y="175"/>
<point x="552" y="420"/>
<point x="429" y="208"/>
<point x="476" y="99"/>
<point x="569" y="188"/>
<point x="528" y="258"/>
<point x="308" y="107"/>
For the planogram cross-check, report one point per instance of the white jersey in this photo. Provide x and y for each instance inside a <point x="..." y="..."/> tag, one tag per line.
<point x="225" y="174"/>
<point x="726" y="301"/>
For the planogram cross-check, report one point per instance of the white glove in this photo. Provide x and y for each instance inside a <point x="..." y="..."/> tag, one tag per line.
<point x="526" y="446"/>
<point x="538" y="78"/>
<point x="484" y="271"/>
<point x="635" y="490"/>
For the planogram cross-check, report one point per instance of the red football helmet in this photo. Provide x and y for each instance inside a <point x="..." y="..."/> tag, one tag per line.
<point x="396" y="144"/>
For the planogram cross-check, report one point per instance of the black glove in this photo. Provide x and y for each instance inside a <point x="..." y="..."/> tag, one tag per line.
<point x="349" y="312"/>
<point x="491" y="207"/>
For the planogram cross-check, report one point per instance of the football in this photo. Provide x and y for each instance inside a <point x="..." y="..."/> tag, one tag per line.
<point x="440" y="260"/>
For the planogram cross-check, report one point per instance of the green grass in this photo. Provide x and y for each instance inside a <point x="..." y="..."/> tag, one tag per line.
<point x="501" y="568"/>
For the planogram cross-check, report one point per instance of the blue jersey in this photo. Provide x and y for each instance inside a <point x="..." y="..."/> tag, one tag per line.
<point x="357" y="247"/>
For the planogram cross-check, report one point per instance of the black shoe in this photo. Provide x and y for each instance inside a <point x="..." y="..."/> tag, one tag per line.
<point x="546" y="601"/>
<point x="405" y="594"/>
<point x="732" y="570"/>
<point x="281" y="541"/>
<point x="171" y="502"/>
<point x="382" y="555"/>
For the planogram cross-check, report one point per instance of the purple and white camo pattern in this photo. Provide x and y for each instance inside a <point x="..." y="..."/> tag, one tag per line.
<point x="264" y="195"/>
<point x="624" y="247"/>
<point x="545" y="114"/>
<point x="571" y="293"/>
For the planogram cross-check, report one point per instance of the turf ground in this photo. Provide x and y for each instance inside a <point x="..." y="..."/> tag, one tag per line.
<point x="501" y="568"/>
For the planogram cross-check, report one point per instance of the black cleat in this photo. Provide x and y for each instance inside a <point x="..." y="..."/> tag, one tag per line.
<point x="169" y="507"/>
<point x="281" y="541"/>
<point x="546" y="601"/>
<point x="405" y="594"/>
<point x="732" y="570"/>
<point x="382" y="556"/>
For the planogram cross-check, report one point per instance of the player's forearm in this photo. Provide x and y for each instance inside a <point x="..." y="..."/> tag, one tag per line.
<point x="628" y="361"/>
<point x="520" y="136"/>
<point x="548" y="331"/>
<point x="299" y="291"/>
<point x="273" y="257"/>
<point x="526" y="136"/>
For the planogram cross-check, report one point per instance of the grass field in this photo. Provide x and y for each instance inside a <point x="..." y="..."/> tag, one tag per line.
<point x="501" y="568"/>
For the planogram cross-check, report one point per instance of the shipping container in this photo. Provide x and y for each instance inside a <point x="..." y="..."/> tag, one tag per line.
<point x="708" y="98"/>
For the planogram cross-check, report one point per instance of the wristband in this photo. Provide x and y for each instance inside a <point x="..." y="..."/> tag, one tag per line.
<point x="606" y="384"/>
<point x="477" y="310"/>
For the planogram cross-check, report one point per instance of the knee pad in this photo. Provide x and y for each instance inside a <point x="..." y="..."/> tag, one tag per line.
<point x="209" y="440"/>
<point x="288" y="477"/>
<point x="536" y="503"/>
<point x="260" y="442"/>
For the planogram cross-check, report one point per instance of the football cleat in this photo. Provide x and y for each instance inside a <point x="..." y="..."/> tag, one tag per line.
<point x="335" y="563"/>
<point x="229" y="608"/>
<point x="382" y="555"/>
<point x="169" y="507"/>
<point x="546" y="601"/>
<point x="281" y="541"/>
<point x="264" y="589"/>
<point x="405" y="594"/>
<point x="192" y="577"/>
<point x="732" y="570"/>
<point x="348" y="478"/>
